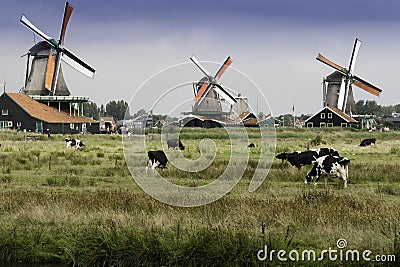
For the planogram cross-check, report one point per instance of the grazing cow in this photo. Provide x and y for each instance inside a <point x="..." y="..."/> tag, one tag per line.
<point x="73" y="143"/>
<point x="251" y="145"/>
<point x="157" y="158"/>
<point x="329" y="165"/>
<point x="368" y="141"/>
<point x="299" y="159"/>
<point x="175" y="143"/>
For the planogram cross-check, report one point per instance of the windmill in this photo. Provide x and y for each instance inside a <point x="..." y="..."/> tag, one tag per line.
<point x="338" y="92"/>
<point x="45" y="76"/>
<point x="209" y="93"/>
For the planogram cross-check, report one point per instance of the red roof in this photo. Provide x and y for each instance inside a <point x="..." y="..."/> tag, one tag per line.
<point x="44" y="112"/>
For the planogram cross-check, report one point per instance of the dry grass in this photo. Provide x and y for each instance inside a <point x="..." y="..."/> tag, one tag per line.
<point x="85" y="209"/>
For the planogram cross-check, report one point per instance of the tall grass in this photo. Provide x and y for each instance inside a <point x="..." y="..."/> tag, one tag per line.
<point x="83" y="208"/>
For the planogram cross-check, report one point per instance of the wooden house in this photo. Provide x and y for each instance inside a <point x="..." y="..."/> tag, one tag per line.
<point x="19" y="111"/>
<point x="330" y="117"/>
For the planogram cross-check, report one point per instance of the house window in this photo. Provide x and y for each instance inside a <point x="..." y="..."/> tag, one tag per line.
<point x="3" y="124"/>
<point x="19" y="124"/>
<point x="329" y="115"/>
<point x="322" y="124"/>
<point x="322" y="115"/>
<point x="10" y="124"/>
<point x="330" y="124"/>
<point x="343" y="124"/>
<point x="4" y="112"/>
<point x="71" y="125"/>
<point x="310" y="124"/>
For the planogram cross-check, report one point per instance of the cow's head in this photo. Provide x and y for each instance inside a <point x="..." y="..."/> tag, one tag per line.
<point x="282" y="156"/>
<point x="344" y="161"/>
<point x="181" y="146"/>
<point x="308" y="179"/>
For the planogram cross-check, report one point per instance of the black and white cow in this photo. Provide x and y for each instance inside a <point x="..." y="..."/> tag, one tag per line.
<point x="329" y="165"/>
<point x="70" y="142"/>
<point x="251" y="145"/>
<point x="368" y="141"/>
<point x="299" y="159"/>
<point x="175" y="143"/>
<point x="157" y="158"/>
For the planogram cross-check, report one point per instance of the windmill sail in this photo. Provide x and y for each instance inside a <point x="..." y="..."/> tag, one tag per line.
<point x="55" y="52"/>
<point x="345" y="99"/>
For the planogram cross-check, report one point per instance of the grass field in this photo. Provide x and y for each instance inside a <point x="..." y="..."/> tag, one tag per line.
<point x="83" y="208"/>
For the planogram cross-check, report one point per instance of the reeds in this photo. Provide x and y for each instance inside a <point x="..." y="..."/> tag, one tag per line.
<point x="84" y="208"/>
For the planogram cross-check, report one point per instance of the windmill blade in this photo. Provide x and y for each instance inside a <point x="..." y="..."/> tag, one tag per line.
<point x="49" y="71"/>
<point x="223" y="68"/>
<point x="24" y="20"/>
<point x="342" y="92"/>
<point x="67" y="14"/>
<point x="330" y="63"/>
<point x="202" y="90"/>
<point x="197" y="63"/>
<point x="224" y="94"/>
<point x="356" y="48"/>
<point x="77" y="63"/>
<point x="346" y="94"/>
<point x="56" y="72"/>
<point x="209" y="87"/>
<point x="370" y="88"/>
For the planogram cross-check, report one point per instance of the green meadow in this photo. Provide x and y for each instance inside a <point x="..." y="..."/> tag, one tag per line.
<point x="81" y="207"/>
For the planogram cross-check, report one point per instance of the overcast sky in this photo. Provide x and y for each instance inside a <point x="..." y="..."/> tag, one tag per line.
<point x="272" y="42"/>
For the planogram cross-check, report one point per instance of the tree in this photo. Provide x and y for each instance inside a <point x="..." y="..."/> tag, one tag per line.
<point x="102" y="111"/>
<point x="368" y="107"/>
<point x="139" y="113"/>
<point x="117" y="109"/>
<point x="91" y="110"/>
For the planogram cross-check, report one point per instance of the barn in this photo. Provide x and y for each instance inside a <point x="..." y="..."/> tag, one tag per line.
<point x="19" y="111"/>
<point x="331" y="117"/>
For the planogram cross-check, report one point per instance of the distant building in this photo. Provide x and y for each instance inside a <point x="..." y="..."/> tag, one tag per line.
<point x="299" y="123"/>
<point x="330" y="117"/>
<point x="395" y="121"/>
<point x="106" y="123"/>
<point x="19" y="111"/>
<point x="144" y="121"/>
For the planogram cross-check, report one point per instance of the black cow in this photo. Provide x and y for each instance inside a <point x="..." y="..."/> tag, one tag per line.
<point x="157" y="158"/>
<point x="299" y="159"/>
<point x="368" y="141"/>
<point x="251" y="145"/>
<point x="329" y="165"/>
<point x="73" y="143"/>
<point x="175" y="143"/>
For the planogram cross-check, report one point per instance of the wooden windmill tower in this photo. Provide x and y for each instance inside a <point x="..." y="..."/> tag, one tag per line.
<point x="44" y="79"/>
<point x="337" y="87"/>
<point x="209" y="93"/>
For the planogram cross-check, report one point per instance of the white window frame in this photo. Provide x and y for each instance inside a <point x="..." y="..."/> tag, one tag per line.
<point x="322" y="124"/>
<point x="343" y="124"/>
<point x="71" y="125"/>
<point x="19" y="124"/>
<point x="329" y="124"/>
<point x="322" y="115"/>
<point x="10" y="124"/>
<point x="4" y="112"/>
<point x="310" y="124"/>
<point x="330" y="115"/>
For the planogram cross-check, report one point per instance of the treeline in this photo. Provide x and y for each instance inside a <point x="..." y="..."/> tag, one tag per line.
<point x="372" y="108"/>
<point x="113" y="108"/>
<point x="117" y="110"/>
